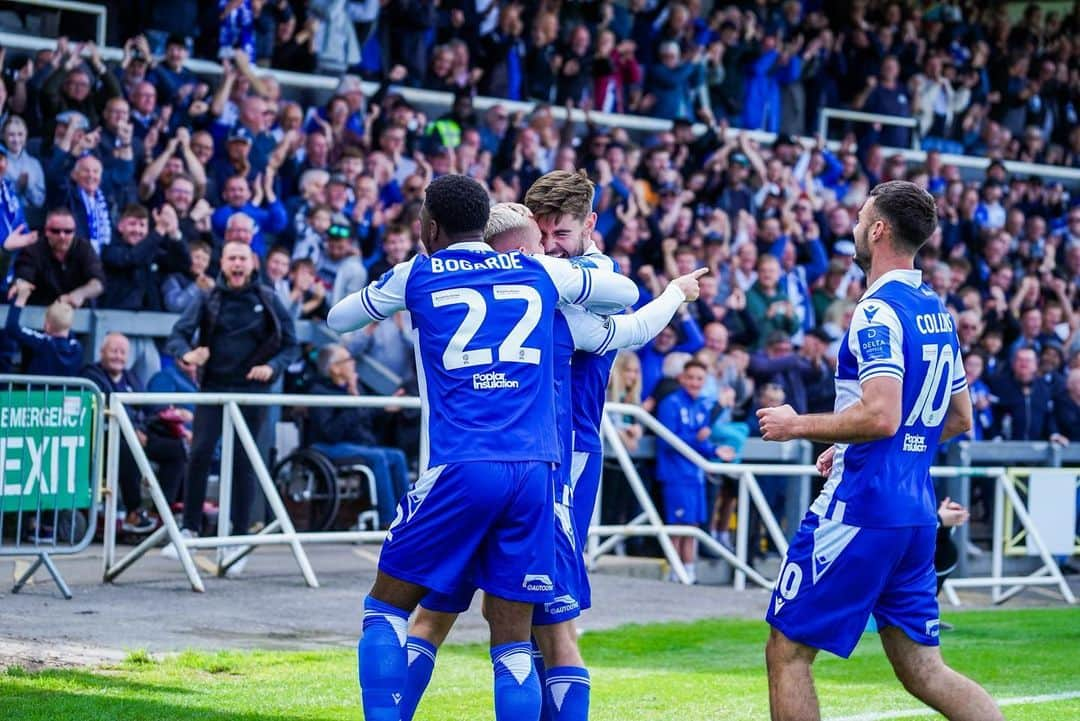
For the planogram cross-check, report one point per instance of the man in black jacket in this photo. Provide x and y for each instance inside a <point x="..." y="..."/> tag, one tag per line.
<point x="242" y="338"/>
<point x="347" y="432"/>
<point x="1025" y="407"/>
<point x="137" y="262"/>
<point x="62" y="265"/>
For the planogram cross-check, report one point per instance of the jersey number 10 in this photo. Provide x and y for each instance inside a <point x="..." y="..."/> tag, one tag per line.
<point x="510" y="350"/>
<point x="942" y="362"/>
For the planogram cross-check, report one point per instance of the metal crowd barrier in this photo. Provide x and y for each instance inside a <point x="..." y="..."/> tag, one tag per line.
<point x="281" y="531"/>
<point x="648" y="523"/>
<point x="50" y="465"/>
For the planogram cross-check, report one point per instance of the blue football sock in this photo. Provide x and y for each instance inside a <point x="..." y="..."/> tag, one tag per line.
<point x="421" y="655"/>
<point x="568" y="693"/>
<point x="517" y="689"/>
<point x="384" y="667"/>
<point x="538" y="665"/>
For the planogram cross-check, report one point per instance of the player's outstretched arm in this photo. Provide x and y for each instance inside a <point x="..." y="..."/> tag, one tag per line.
<point x="599" y="335"/>
<point x="600" y="291"/>
<point x="875" y="416"/>
<point x="378" y="301"/>
<point x="959" y="417"/>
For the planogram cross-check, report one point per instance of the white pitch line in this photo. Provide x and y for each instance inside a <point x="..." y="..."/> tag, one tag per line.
<point x="916" y="713"/>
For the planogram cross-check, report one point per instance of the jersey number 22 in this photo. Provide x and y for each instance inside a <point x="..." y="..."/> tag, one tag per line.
<point x="511" y="349"/>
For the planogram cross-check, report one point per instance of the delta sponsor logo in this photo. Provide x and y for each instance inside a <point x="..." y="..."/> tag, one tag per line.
<point x="875" y="342"/>
<point x="492" y="382"/>
<point x="537" y="582"/>
<point x="561" y="604"/>
<point x="914" y="443"/>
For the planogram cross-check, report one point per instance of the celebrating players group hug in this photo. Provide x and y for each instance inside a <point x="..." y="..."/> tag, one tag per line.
<point x="517" y="317"/>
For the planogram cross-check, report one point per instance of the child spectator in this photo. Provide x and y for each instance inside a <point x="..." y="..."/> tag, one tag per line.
<point x="52" y="353"/>
<point x="312" y="236"/>
<point x="307" y="290"/>
<point x="689" y="416"/>
<point x="276" y="273"/>
<point x="181" y="289"/>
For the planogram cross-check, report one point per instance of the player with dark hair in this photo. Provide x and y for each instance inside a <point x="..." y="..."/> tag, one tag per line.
<point x="484" y="506"/>
<point x="578" y="336"/>
<point x="867" y="544"/>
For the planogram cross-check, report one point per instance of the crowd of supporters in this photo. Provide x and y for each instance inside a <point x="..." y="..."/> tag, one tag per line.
<point x="123" y="180"/>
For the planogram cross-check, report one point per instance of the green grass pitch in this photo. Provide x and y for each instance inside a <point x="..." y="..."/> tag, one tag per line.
<point x="683" y="672"/>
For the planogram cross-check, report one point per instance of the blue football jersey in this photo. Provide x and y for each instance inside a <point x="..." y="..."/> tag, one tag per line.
<point x="590" y="380"/>
<point x="483" y="331"/>
<point x="598" y="340"/>
<point x="562" y="348"/>
<point x="900" y="330"/>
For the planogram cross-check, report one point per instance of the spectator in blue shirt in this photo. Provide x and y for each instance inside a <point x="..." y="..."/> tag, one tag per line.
<point x="269" y="218"/>
<point x="171" y="78"/>
<point x="887" y="96"/>
<point x="688" y="415"/>
<point x="670" y="84"/>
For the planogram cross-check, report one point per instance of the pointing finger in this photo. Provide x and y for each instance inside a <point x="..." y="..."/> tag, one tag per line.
<point x="698" y="273"/>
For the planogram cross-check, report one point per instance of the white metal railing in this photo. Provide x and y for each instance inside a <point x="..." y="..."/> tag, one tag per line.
<point x="1048" y="574"/>
<point x="99" y="11"/>
<point x="638" y="123"/>
<point x="281" y="531"/>
<point x="827" y="114"/>
<point x="968" y="162"/>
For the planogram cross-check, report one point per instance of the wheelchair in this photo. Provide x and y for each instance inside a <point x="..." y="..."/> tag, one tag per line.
<point x="321" y="494"/>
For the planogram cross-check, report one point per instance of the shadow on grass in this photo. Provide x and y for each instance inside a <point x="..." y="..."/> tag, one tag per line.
<point x="101" y="682"/>
<point x="48" y="704"/>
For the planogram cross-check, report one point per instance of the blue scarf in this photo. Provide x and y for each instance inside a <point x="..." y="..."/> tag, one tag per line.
<point x="97" y="218"/>
<point x="11" y="217"/>
<point x="11" y="212"/>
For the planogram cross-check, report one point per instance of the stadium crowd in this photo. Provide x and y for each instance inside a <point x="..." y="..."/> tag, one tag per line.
<point x="123" y="182"/>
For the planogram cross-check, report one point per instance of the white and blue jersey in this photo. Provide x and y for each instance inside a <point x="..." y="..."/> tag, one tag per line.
<point x="483" y="334"/>
<point x="576" y="333"/>
<point x="867" y="544"/>
<point x="484" y="331"/>
<point x="590" y="374"/>
<point x="900" y="330"/>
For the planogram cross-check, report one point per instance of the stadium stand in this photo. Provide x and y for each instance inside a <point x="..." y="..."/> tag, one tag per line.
<point x="685" y="177"/>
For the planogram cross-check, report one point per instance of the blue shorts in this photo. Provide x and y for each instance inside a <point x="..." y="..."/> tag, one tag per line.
<point x="835" y="576"/>
<point x="571" y="586"/>
<point x="585" y="473"/>
<point x="488" y="521"/>
<point x="684" y="504"/>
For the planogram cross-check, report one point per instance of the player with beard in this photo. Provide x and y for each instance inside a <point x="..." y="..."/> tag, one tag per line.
<point x="866" y="546"/>
<point x="484" y="506"/>
<point x="577" y="333"/>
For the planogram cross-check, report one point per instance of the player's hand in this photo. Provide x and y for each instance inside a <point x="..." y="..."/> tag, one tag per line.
<point x="825" y="461"/>
<point x="777" y="424"/>
<point x="688" y="284"/>
<point x="725" y="454"/>
<point x="952" y="513"/>
<point x="197" y="356"/>
<point x="261" y="373"/>
<point x="704" y="433"/>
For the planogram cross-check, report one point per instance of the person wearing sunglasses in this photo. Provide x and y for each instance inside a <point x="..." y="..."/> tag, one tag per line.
<point x="61" y="265"/>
